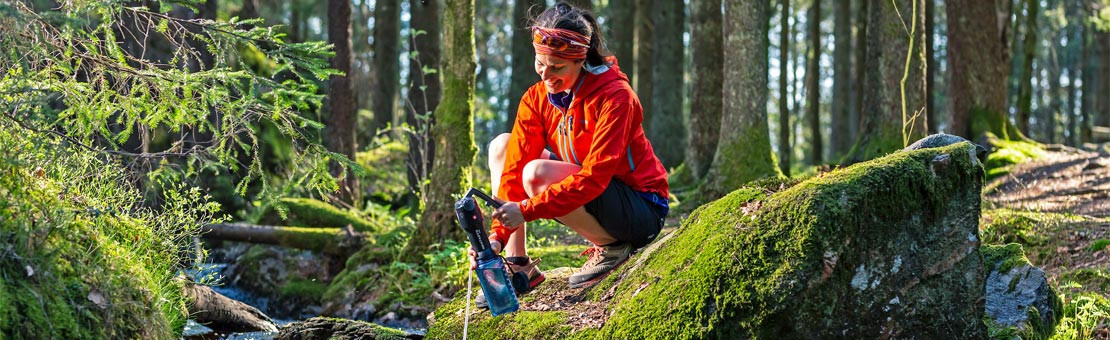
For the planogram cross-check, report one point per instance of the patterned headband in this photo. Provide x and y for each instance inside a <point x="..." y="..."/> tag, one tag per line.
<point x="560" y="42"/>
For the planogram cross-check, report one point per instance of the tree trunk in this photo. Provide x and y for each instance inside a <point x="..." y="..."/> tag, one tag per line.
<point x="892" y="116"/>
<point x="858" y="74"/>
<point x="424" y="88"/>
<point x="840" y="138"/>
<point x="387" y="48"/>
<point x="977" y="71"/>
<point x="622" y="34"/>
<point x="1101" y="75"/>
<point x="813" y="89"/>
<point x="744" y="151"/>
<point x="931" y="64"/>
<point x="785" y="128"/>
<point x="1052" y="112"/>
<point x="705" y="92"/>
<point x="667" y="133"/>
<point x="645" y="39"/>
<point x="341" y="119"/>
<point x="524" y="71"/>
<point x="333" y="241"/>
<point x="1087" y="91"/>
<point x="1025" y="74"/>
<point x="453" y="132"/>
<point x="1072" y="66"/>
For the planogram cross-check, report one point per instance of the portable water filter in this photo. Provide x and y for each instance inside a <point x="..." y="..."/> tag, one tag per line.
<point x="493" y="276"/>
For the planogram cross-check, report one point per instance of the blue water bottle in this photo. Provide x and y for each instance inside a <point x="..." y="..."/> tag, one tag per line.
<point x="491" y="271"/>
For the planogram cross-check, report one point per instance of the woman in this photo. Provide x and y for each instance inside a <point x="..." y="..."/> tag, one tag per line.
<point x="599" y="177"/>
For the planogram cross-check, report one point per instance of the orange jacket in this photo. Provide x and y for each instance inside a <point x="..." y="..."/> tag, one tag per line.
<point x="601" y="131"/>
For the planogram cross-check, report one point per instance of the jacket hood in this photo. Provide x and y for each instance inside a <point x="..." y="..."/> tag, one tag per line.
<point x="599" y="77"/>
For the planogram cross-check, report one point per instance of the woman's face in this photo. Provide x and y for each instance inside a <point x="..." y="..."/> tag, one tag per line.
<point x="558" y="74"/>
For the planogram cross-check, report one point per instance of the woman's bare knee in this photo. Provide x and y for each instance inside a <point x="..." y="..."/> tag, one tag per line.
<point x="497" y="146"/>
<point x="533" y="177"/>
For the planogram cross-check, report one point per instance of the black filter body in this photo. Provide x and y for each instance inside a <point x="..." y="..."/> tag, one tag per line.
<point x="470" y="219"/>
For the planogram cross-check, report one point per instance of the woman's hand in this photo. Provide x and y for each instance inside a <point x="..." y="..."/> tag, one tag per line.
<point x="509" y="214"/>
<point x="493" y="244"/>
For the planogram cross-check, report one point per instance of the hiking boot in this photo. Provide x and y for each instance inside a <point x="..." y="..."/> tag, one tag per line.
<point x="524" y="277"/>
<point x="602" y="261"/>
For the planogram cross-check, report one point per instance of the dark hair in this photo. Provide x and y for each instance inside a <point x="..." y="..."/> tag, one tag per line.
<point x="566" y="16"/>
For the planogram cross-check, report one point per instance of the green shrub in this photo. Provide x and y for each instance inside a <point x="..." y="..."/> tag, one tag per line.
<point x="1083" y="314"/>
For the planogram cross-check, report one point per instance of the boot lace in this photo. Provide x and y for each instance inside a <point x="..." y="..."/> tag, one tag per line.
<point x="595" y="256"/>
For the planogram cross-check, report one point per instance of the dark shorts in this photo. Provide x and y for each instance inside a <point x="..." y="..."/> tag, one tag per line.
<point x="626" y="215"/>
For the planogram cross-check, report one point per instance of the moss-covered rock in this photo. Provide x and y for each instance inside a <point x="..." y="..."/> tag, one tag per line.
<point x="292" y="280"/>
<point x="331" y="328"/>
<point x="1020" y="301"/>
<point x="883" y="248"/>
<point x="307" y="212"/>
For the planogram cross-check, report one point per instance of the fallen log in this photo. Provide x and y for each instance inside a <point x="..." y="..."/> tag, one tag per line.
<point x="333" y="241"/>
<point x="222" y="314"/>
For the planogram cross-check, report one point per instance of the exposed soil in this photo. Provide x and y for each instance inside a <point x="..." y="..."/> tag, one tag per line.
<point x="1067" y="181"/>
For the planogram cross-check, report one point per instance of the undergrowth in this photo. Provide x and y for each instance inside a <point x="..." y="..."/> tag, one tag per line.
<point x="80" y="256"/>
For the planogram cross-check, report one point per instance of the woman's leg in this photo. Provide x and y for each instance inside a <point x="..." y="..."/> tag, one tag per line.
<point x="515" y="246"/>
<point x="541" y="173"/>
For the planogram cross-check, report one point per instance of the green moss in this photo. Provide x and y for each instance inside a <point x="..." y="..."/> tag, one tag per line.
<point x="1002" y="257"/>
<point x="518" y="325"/>
<point x="326" y="240"/>
<point x="334" y="328"/>
<point x="1098" y="245"/>
<point x="385" y="178"/>
<point x="307" y="212"/>
<point x="1008" y="153"/>
<point x="1039" y="233"/>
<point x="309" y="290"/>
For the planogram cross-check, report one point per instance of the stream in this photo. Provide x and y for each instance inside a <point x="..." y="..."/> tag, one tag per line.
<point x="197" y="331"/>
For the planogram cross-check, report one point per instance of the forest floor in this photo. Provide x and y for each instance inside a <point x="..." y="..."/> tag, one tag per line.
<point x="1065" y="181"/>
<point x="1058" y="208"/>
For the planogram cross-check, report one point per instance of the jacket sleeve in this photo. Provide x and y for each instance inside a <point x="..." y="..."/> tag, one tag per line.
<point x="607" y="153"/>
<point x="526" y="143"/>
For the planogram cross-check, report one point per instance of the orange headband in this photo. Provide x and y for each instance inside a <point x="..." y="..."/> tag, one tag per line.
<point x="560" y="42"/>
